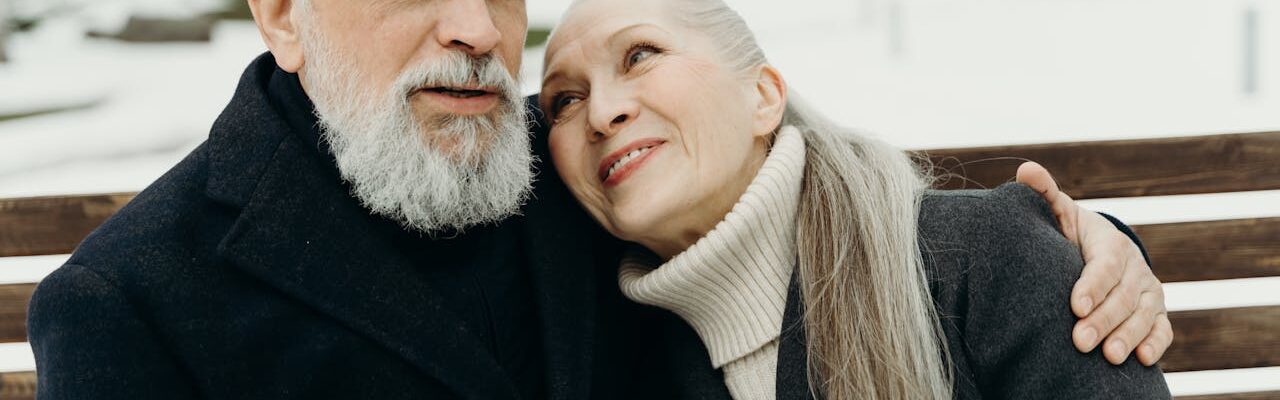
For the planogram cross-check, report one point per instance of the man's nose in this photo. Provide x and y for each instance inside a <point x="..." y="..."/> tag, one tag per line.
<point x="467" y="25"/>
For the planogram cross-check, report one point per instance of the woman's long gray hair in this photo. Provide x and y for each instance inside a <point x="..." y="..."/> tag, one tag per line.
<point x="871" y="325"/>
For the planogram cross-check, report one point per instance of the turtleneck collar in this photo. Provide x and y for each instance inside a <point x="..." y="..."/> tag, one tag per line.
<point x="731" y="285"/>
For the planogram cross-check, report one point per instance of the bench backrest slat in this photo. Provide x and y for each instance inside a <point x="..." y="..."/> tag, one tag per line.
<point x="1224" y="338"/>
<point x="18" y="385"/>
<point x="1269" y="395"/>
<point x="52" y="225"/>
<point x="1204" y="339"/>
<point x="13" y="311"/>
<point x="1209" y="250"/>
<point x="1128" y="168"/>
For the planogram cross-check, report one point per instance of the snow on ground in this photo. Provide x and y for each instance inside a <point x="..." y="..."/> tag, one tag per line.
<point x="918" y="73"/>
<point x="157" y="103"/>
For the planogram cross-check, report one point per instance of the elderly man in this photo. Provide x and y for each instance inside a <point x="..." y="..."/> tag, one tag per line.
<point x="363" y="222"/>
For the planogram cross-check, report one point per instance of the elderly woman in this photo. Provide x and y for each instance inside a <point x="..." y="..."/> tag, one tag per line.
<point x="672" y="130"/>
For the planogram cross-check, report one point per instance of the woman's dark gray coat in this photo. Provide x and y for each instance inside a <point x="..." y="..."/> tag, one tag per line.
<point x="1001" y="275"/>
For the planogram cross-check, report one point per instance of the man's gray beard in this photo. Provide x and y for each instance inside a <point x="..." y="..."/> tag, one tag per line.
<point x="392" y="160"/>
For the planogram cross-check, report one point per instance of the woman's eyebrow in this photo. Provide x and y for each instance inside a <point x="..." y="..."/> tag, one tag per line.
<point x="551" y="78"/>
<point x="612" y="38"/>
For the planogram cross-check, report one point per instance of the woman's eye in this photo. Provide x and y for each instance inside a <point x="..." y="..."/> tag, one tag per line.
<point x="640" y="53"/>
<point x="564" y="101"/>
<point x="559" y="103"/>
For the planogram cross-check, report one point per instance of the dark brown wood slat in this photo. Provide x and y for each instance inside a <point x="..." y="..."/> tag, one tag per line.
<point x="1234" y="396"/>
<point x="1128" y="168"/>
<point x="1208" y="250"/>
<point x="13" y="311"/>
<point x="1189" y="251"/>
<point x="18" y="385"/>
<point x="22" y="386"/>
<point x="1204" y="339"/>
<point x="1226" y="338"/>
<point x="52" y="225"/>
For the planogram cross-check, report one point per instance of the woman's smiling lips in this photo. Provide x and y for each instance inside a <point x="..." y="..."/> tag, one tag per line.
<point x="622" y="162"/>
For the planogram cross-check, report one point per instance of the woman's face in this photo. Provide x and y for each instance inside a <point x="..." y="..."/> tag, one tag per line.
<point x="653" y="133"/>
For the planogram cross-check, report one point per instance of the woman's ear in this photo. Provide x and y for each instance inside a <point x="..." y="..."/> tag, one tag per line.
<point x="771" y="91"/>
<point x="280" y="31"/>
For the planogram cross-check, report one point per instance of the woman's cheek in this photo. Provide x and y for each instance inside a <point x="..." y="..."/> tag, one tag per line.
<point x="568" y="157"/>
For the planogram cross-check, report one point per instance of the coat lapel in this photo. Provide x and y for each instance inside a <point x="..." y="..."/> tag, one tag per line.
<point x="311" y="241"/>
<point x="793" y="368"/>
<point x="302" y="233"/>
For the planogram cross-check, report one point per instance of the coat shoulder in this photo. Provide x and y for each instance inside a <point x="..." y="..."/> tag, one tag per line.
<point x="980" y="243"/>
<point x="164" y="231"/>
<point x="1010" y="209"/>
<point x="1011" y="223"/>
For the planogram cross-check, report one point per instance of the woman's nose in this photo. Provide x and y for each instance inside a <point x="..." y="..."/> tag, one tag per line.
<point x="610" y="116"/>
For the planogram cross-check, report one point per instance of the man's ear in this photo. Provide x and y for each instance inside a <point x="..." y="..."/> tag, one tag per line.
<point x="280" y="31"/>
<point x="771" y="91"/>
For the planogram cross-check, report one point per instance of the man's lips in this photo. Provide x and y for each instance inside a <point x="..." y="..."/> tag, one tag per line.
<point x="617" y="155"/>
<point x="462" y="100"/>
<point x="461" y="91"/>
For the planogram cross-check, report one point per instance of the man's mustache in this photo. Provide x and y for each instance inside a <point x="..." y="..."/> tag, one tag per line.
<point x="461" y="72"/>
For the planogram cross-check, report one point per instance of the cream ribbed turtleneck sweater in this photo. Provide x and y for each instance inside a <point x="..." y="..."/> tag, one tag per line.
<point x="731" y="285"/>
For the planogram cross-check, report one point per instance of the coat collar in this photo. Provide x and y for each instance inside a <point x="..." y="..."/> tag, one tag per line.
<point x="345" y="268"/>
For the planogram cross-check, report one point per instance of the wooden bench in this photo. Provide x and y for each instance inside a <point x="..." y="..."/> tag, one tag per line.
<point x="1191" y="251"/>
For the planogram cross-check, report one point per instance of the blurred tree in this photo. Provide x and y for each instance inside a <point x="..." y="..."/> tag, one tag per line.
<point x="236" y="9"/>
<point x="536" y="36"/>
<point x="4" y="29"/>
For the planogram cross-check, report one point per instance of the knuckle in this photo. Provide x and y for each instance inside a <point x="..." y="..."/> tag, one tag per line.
<point x="1166" y="330"/>
<point x="1128" y="298"/>
<point x="1108" y="319"/>
<point x="1115" y="268"/>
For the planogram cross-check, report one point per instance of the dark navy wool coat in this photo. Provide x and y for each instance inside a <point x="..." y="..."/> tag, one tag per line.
<point x="249" y="272"/>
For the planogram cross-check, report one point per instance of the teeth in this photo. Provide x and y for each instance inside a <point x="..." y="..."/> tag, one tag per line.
<point x="625" y="159"/>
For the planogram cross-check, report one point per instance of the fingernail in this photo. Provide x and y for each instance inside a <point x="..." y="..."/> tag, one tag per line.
<point x="1148" y="350"/>
<point x="1089" y="335"/>
<point x="1117" y="347"/>
<point x="1086" y="304"/>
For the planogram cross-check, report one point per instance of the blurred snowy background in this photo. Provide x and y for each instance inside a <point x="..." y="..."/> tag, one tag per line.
<point x="96" y="97"/>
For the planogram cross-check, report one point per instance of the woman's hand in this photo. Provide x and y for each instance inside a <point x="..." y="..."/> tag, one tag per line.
<point x="1117" y="297"/>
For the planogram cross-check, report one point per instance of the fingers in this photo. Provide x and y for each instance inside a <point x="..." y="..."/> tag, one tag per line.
<point x="1159" y="340"/>
<point x="1033" y="174"/>
<point x="1126" y="337"/>
<point x="1064" y="208"/>
<point x="1097" y="280"/>
<point x="1118" y="306"/>
<point x="1106" y="258"/>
